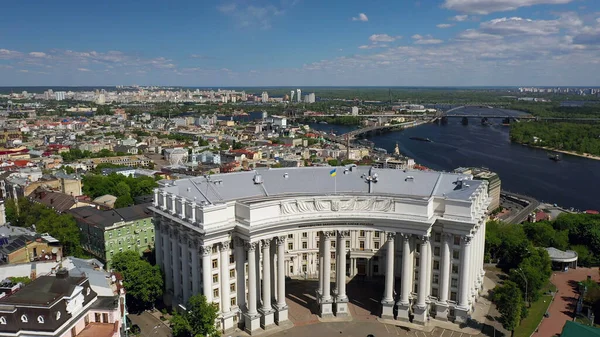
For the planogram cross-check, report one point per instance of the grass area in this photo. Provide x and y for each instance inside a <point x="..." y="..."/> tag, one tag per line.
<point x="584" y="320"/>
<point x="536" y="313"/>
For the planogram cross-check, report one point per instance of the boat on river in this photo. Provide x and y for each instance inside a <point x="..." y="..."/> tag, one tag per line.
<point x="554" y="156"/>
<point x="422" y="139"/>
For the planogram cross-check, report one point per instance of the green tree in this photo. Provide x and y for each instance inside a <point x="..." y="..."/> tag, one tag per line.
<point x="198" y="320"/>
<point x="142" y="281"/>
<point x="533" y="273"/>
<point x="509" y="302"/>
<point x="124" y="201"/>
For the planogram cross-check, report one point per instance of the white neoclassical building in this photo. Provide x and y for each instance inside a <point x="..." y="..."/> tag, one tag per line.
<point x="236" y="237"/>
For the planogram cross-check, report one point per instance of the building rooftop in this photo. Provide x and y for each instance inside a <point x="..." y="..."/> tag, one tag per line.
<point x="106" y="218"/>
<point x="574" y="329"/>
<point x="318" y="181"/>
<point x="44" y="290"/>
<point x="561" y="256"/>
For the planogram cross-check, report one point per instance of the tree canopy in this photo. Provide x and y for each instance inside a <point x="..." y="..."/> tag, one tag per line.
<point x="123" y="187"/>
<point x="510" y="304"/>
<point x="581" y="138"/>
<point x="198" y="320"/>
<point x="142" y="281"/>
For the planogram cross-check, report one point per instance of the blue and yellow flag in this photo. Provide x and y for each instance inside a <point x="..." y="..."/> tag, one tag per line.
<point x="333" y="172"/>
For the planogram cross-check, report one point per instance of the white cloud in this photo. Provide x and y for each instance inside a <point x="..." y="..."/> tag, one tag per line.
<point x="248" y="15"/>
<point x="373" y="46"/>
<point x="459" y="18"/>
<point x="83" y="69"/>
<point x="9" y="54"/>
<point x="361" y="17"/>
<point x="383" y="38"/>
<point x="444" y="25"/>
<point x="37" y="54"/>
<point x="427" y="39"/>
<point x="227" y="8"/>
<point x="484" y="7"/>
<point x="519" y="26"/>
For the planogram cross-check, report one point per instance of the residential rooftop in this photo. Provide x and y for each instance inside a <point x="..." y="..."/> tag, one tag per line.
<point x="107" y="218"/>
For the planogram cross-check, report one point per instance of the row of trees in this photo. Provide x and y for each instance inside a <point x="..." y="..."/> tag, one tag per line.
<point x="24" y="213"/>
<point x="529" y="268"/>
<point x="553" y="109"/>
<point x="123" y="187"/>
<point x="581" y="138"/>
<point x="142" y="281"/>
<point x="76" y="154"/>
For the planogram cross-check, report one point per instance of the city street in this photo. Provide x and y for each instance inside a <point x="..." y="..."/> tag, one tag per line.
<point x="150" y="326"/>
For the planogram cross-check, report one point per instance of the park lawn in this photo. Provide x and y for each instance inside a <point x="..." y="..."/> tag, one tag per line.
<point x="535" y="316"/>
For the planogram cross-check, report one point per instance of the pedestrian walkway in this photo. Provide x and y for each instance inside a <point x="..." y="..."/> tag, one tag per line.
<point x="562" y="308"/>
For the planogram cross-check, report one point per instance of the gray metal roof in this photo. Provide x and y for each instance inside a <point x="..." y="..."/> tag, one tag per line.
<point x="318" y="181"/>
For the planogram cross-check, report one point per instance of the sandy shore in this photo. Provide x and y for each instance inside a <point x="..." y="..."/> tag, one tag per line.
<point x="572" y="153"/>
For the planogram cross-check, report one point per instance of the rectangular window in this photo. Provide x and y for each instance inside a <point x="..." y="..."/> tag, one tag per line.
<point x="436" y="265"/>
<point x="214" y="249"/>
<point x="215" y="278"/>
<point x="290" y="246"/>
<point x="215" y="263"/>
<point x="437" y="237"/>
<point x="304" y="234"/>
<point x="230" y="258"/>
<point x="454" y="269"/>
<point x="377" y="234"/>
<point x="376" y="244"/>
<point x="304" y="268"/>
<point x="361" y="234"/>
<point x="145" y="240"/>
<point x="436" y="251"/>
<point x="347" y="244"/>
<point x="332" y="244"/>
<point x="233" y="303"/>
<point x="453" y="296"/>
<point x="435" y="278"/>
<point x="105" y="318"/>
<point x="97" y="318"/>
<point x="290" y="236"/>
<point x="304" y="257"/>
<point x="232" y="287"/>
<point x="456" y="240"/>
<point x="304" y="245"/>
<point x="232" y="273"/>
<point x="456" y="254"/>
<point x="215" y="293"/>
<point x="332" y="255"/>
<point x="361" y="244"/>
<point x="434" y="292"/>
<point x="454" y="282"/>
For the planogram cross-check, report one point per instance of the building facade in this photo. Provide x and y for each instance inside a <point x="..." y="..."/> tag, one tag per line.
<point x="236" y="237"/>
<point x="105" y="233"/>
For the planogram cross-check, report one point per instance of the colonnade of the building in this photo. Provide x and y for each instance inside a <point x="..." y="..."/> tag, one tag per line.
<point x="247" y="279"/>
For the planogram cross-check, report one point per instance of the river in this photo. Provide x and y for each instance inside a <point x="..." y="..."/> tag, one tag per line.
<point x="524" y="170"/>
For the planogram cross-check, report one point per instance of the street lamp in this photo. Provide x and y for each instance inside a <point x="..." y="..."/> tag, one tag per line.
<point x="525" y="278"/>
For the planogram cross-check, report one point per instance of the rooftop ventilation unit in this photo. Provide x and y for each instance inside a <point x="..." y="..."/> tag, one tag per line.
<point x="285" y="175"/>
<point x="258" y="179"/>
<point x="409" y="178"/>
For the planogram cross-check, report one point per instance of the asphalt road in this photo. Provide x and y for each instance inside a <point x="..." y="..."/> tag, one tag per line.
<point x="522" y="214"/>
<point x="150" y="326"/>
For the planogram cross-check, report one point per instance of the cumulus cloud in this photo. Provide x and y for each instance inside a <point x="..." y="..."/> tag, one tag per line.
<point x="6" y="54"/>
<point x="459" y="18"/>
<point x="444" y="25"/>
<point x="37" y="54"/>
<point x="427" y="39"/>
<point x="361" y="17"/>
<point x="249" y="15"/>
<point x="373" y="46"/>
<point x="519" y="26"/>
<point x="83" y="69"/>
<point x="383" y="38"/>
<point x="484" y="7"/>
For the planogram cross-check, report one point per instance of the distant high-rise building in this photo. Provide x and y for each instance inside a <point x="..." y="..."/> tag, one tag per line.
<point x="354" y="111"/>
<point x="292" y="92"/>
<point x="60" y="95"/>
<point x="265" y="96"/>
<point x="101" y="99"/>
<point x="310" y="98"/>
<point x="299" y="95"/>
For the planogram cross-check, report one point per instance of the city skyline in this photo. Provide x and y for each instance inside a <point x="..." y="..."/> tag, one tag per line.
<point x="302" y="43"/>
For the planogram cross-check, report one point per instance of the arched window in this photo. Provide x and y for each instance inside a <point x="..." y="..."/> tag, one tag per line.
<point x="24" y="318"/>
<point x="3" y="320"/>
<point x="41" y="319"/>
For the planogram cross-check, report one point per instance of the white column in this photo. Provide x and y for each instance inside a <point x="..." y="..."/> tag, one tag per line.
<point x="327" y="266"/>
<point x="183" y="202"/>
<point x="388" y="295"/>
<point x="280" y="272"/>
<point x="407" y="270"/>
<point x="321" y="245"/>
<point x="173" y="204"/>
<point x="185" y="266"/>
<point x="195" y="267"/>
<point x="193" y="212"/>
<point x="341" y="264"/>
<point x="445" y="268"/>
<point x="175" y="254"/>
<point x="429" y="267"/>
<point x="266" y="282"/>
<point x="484" y="228"/>
<point x="164" y="196"/>
<point x="207" y="273"/>
<point x="252" y="278"/>
<point x="167" y="261"/>
<point x="465" y="252"/>
<point x="422" y="295"/>
<point x="240" y="272"/>
<point x="225" y="297"/>
<point x="156" y="196"/>
<point x="274" y="265"/>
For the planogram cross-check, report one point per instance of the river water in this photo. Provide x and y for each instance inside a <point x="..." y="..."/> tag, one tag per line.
<point x="572" y="182"/>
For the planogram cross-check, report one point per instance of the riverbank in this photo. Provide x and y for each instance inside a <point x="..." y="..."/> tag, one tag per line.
<point x="572" y="153"/>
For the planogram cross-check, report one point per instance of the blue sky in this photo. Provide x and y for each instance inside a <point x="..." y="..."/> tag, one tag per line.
<point x="301" y="42"/>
